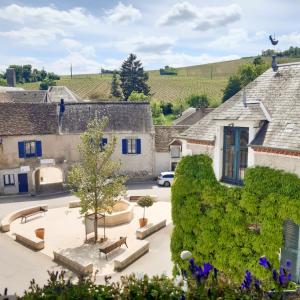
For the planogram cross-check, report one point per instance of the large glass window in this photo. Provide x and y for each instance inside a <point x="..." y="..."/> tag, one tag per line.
<point x="235" y="153"/>
<point x="30" y="148"/>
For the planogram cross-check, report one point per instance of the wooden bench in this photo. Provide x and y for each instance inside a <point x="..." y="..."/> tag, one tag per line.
<point x="25" y="215"/>
<point x="127" y="258"/>
<point x="147" y="230"/>
<point x="30" y="241"/>
<point x="8" y="219"/>
<point x="109" y="246"/>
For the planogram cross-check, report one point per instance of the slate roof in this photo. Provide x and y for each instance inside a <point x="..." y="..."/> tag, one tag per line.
<point x="279" y="94"/>
<point x="165" y="134"/>
<point x="56" y="93"/>
<point x="28" y="119"/>
<point x="192" y="115"/>
<point x="123" y="116"/>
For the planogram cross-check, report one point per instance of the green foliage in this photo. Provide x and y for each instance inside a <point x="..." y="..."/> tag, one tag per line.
<point x="3" y="82"/>
<point x="25" y="74"/>
<point x="198" y="101"/>
<point x="136" y="96"/>
<point x="144" y="202"/>
<point x="115" y="92"/>
<point x="231" y="227"/>
<point x="133" y="77"/>
<point x="95" y="180"/>
<point x="232" y="87"/>
<point x="291" y="52"/>
<point x="167" y="108"/>
<point x="46" y="83"/>
<point x="168" y="71"/>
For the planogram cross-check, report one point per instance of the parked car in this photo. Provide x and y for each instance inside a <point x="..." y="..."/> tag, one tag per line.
<point x="165" y="178"/>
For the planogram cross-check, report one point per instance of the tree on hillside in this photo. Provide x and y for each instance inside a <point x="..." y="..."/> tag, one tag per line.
<point x="133" y="77"/>
<point x="95" y="179"/>
<point x="46" y="83"/>
<point x="115" y="92"/>
<point x="233" y="86"/>
<point x="198" y="101"/>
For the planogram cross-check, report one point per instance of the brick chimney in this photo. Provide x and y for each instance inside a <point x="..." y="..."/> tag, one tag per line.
<point x="11" y="77"/>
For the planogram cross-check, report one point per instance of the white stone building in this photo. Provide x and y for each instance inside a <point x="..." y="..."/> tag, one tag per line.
<point x="260" y="125"/>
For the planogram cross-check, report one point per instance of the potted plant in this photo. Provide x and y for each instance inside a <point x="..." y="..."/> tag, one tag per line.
<point x="40" y="233"/>
<point x="145" y="201"/>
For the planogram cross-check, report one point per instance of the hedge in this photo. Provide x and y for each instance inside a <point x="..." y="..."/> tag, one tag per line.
<point x="231" y="227"/>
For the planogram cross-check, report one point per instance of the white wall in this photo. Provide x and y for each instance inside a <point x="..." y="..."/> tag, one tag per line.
<point x="278" y="161"/>
<point x="162" y="162"/>
<point x="11" y="189"/>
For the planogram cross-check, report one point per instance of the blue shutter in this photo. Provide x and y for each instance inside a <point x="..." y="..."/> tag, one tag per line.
<point x="21" y="146"/>
<point x="138" y="146"/>
<point x="104" y="141"/>
<point x="38" y="147"/>
<point x="124" y="146"/>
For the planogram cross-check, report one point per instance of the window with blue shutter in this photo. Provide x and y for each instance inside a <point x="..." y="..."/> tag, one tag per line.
<point x="38" y="148"/>
<point x="21" y="146"/>
<point x="124" y="146"/>
<point x="104" y="141"/>
<point x="138" y="146"/>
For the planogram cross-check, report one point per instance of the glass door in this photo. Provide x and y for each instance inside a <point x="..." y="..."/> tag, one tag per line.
<point x="235" y="154"/>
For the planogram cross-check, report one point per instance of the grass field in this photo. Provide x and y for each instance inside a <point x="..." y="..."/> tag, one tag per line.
<point x="209" y="78"/>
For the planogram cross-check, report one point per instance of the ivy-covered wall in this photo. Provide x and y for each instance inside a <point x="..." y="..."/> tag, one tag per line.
<point x="231" y="227"/>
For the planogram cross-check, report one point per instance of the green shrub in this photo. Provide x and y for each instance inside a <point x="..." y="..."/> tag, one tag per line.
<point x="231" y="227"/>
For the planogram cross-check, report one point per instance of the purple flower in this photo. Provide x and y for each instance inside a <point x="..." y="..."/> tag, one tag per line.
<point x="257" y="284"/>
<point x="207" y="267"/>
<point x="247" y="281"/>
<point x="264" y="262"/>
<point x="288" y="264"/>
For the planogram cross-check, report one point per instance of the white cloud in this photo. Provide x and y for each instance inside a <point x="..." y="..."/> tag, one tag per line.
<point x="123" y="14"/>
<point x="180" y="12"/>
<point x="150" y="44"/>
<point x="201" y="19"/>
<point x="32" y="36"/>
<point x="291" y="39"/>
<point x="75" y="18"/>
<point x="235" y="38"/>
<point x="214" y="17"/>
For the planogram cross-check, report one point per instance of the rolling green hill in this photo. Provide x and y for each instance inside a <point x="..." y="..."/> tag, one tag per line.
<point x="209" y="78"/>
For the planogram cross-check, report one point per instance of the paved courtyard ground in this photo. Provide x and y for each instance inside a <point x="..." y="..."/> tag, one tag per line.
<point x="19" y="265"/>
<point x="65" y="233"/>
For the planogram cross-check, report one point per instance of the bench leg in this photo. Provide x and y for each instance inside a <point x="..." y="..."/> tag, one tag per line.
<point x="126" y="244"/>
<point x="106" y="256"/>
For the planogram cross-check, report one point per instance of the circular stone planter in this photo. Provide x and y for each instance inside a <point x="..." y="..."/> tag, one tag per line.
<point x="122" y="213"/>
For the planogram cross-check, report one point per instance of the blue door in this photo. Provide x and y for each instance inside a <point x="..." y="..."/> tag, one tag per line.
<point x="235" y="154"/>
<point x="23" y="183"/>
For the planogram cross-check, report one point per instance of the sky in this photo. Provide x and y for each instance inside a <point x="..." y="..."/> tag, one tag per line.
<point x="95" y="34"/>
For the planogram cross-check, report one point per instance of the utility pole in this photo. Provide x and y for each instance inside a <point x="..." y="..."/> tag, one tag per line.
<point x="71" y="69"/>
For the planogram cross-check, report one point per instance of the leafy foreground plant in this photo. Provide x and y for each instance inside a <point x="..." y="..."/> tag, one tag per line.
<point x="195" y="282"/>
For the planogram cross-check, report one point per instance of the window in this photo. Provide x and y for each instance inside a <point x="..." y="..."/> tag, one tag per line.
<point x="9" y="179"/>
<point x="173" y="166"/>
<point x="175" y="151"/>
<point x="131" y="146"/>
<point x="131" y="143"/>
<point x="30" y="149"/>
<point x="169" y="176"/>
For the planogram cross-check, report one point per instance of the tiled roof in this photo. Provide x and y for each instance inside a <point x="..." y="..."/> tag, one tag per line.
<point x="123" y="116"/>
<point x="56" y="93"/>
<point x="279" y="94"/>
<point x="165" y="134"/>
<point x="192" y="115"/>
<point x="28" y="119"/>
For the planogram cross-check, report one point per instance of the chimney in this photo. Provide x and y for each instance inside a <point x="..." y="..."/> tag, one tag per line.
<point x="244" y="97"/>
<point x="274" y="63"/>
<point x="11" y="77"/>
<point x="61" y="111"/>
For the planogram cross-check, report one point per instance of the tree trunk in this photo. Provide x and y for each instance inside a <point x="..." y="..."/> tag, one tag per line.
<point x="96" y="223"/>
<point x="144" y="214"/>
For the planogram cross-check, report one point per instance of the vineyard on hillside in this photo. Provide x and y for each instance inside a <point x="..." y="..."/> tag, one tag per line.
<point x="210" y="79"/>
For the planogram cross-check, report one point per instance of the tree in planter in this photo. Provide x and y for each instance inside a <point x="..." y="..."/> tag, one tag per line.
<point x="144" y="202"/>
<point x="94" y="179"/>
<point x="133" y="77"/>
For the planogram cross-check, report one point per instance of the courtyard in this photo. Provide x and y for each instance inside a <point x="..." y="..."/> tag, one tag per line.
<point x="64" y="231"/>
